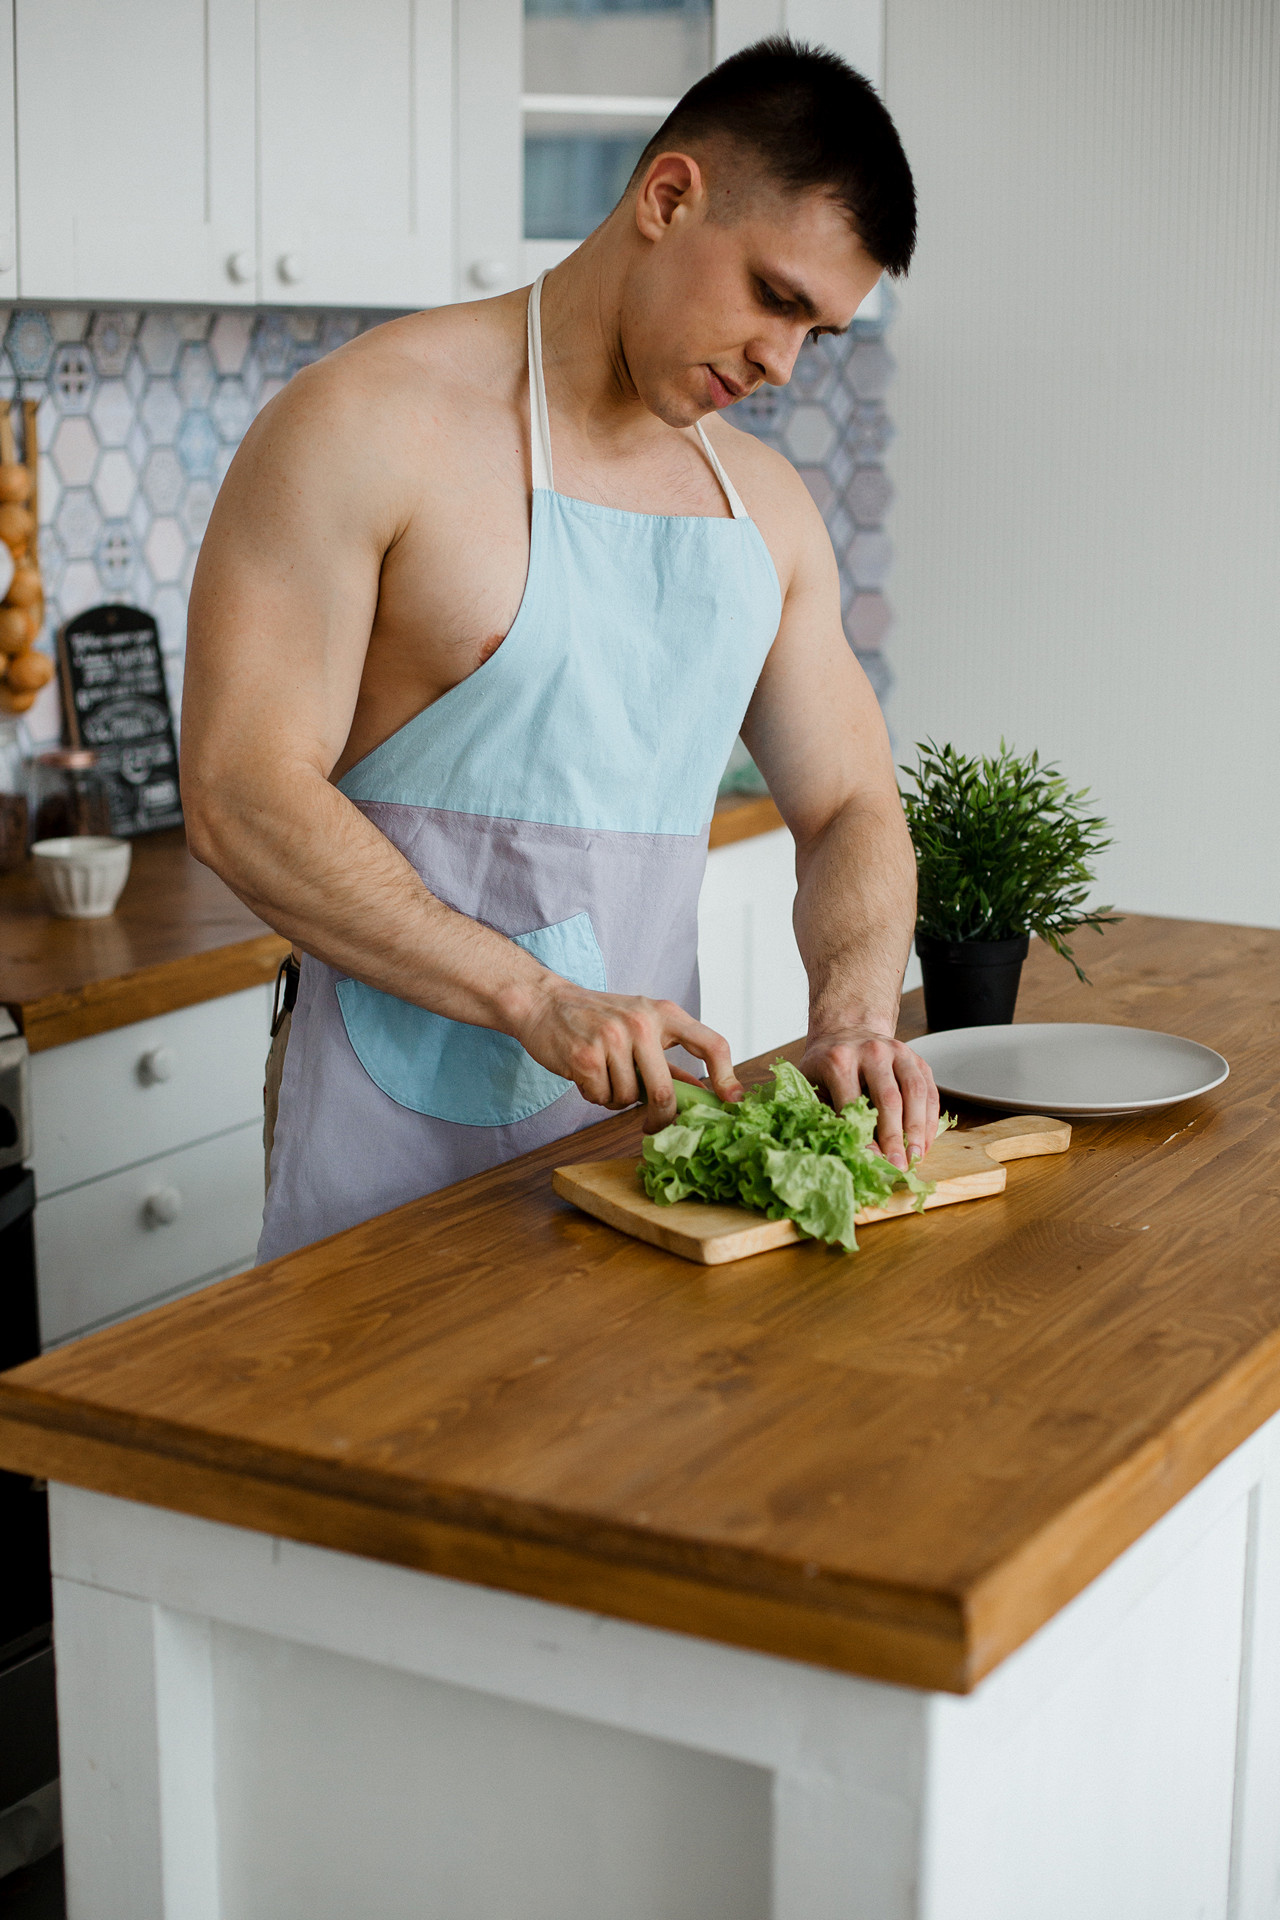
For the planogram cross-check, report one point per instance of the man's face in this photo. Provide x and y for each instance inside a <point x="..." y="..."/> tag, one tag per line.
<point x="718" y="307"/>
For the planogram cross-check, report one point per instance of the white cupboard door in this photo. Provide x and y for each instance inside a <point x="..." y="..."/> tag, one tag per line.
<point x="355" y="126"/>
<point x="135" y="147"/>
<point x="490" y="165"/>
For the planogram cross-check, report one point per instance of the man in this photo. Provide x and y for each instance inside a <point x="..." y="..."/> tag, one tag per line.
<point x="480" y="610"/>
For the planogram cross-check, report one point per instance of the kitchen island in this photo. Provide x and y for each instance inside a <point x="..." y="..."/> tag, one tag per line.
<point x="481" y="1561"/>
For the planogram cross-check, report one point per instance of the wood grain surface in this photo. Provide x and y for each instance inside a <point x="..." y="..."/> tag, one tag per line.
<point x="962" y="1166"/>
<point x="178" y="936"/>
<point x="898" y="1462"/>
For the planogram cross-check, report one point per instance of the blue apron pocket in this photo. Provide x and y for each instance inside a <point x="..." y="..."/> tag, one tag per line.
<point x="452" y="1071"/>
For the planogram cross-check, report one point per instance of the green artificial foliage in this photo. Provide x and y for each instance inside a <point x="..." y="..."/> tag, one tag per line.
<point x="1003" y="848"/>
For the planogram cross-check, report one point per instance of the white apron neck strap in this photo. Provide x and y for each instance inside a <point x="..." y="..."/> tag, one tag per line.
<point x="539" y="424"/>
<point x="736" y="507"/>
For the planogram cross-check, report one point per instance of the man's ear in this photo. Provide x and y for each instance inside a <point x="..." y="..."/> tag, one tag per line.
<point x="672" y="188"/>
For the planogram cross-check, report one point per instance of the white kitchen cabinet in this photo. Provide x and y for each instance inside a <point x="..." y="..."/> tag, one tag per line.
<point x="148" y="1159"/>
<point x="754" y="987"/>
<point x="114" y="1245"/>
<point x="135" y="150"/>
<point x="355" y="151"/>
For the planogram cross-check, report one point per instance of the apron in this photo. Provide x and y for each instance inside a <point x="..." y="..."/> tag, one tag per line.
<point x="562" y="794"/>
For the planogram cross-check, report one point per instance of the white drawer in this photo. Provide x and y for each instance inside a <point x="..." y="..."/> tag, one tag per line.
<point x="98" y="1104"/>
<point x="98" y="1254"/>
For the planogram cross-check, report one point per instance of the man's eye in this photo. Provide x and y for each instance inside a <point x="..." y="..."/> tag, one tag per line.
<point x="768" y="298"/>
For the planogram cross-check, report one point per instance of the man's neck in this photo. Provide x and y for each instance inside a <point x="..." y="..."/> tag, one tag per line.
<point x="588" y="381"/>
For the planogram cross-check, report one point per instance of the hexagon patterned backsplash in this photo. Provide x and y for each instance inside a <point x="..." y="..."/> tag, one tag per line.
<point x="140" y="413"/>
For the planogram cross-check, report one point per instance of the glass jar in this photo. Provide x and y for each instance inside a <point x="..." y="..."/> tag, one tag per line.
<point x="13" y="797"/>
<point x="68" y="795"/>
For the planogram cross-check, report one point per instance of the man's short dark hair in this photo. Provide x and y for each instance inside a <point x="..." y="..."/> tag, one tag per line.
<point x="813" y="124"/>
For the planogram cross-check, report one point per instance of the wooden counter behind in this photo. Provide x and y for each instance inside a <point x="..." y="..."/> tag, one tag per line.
<point x="898" y="1462"/>
<point x="177" y="937"/>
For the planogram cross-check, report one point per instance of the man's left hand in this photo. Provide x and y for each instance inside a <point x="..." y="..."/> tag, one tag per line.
<point x="898" y="1082"/>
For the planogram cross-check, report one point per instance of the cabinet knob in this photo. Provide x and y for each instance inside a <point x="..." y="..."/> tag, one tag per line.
<point x="155" y="1066"/>
<point x="240" y="267"/>
<point x="292" y="268"/>
<point x="161" y="1208"/>
<point x="490" y="274"/>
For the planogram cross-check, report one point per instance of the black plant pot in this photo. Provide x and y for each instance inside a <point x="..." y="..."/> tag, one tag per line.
<point x="970" y="983"/>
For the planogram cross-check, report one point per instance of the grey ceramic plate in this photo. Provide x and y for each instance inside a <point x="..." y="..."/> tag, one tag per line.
<point x="1070" y="1069"/>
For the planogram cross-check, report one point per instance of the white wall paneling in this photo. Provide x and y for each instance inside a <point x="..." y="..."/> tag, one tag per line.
<point x="135" y="142"/>
<point x="355" y="132"/>
<point x="1088" y="412"/>
<point x="320" y="1712"/>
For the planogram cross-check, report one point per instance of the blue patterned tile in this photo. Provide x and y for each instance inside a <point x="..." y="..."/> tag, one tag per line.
<point x="196" y="507"/>
<point x="163" y="480"/>
<point x="869" y="494"/>
<point x="112" y="413"/>
<point x="158" y="343"/>
<point x="272" y="343"/>
<point x="74" y="451"/>
<point x="231" y="411"/>
<point x="111" y="336"/>
<point x="868" y="557"/>
<point x="197" y="444"/>
<point x="72" y="378"/>
<point x="115" y="483"/>
<point x="69" y="324"/>
<point x="28" y="341"/>
<point x="165" y="549"/>
<point x="229" y="341"/>
<point x="116" y="556"/>
<point x="78" y="523"/>
<point x="196" y="377"/>
<point x="161" y="411"/>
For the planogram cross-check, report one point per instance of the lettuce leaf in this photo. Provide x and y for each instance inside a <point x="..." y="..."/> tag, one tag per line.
<point x="779" y="1151"/>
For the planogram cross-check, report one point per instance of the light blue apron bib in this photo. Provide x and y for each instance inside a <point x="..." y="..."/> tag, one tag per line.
<point x="562" y="794"/>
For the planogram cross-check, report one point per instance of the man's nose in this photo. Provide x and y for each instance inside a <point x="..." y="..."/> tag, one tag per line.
<point x="775" y="354"/>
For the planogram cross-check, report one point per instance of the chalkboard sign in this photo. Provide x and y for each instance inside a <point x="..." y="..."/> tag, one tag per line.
<point x="115" y="701"/>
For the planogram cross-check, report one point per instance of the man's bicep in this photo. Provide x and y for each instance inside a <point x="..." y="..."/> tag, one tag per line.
<point x="282" y="603"/>
<point x="814" y="726"/>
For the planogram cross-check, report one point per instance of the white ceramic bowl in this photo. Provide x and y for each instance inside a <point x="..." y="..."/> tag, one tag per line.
<point x="83" y="876"/>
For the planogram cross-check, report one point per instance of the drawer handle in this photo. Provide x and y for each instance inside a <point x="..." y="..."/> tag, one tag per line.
<point x="156" y="1066"/>
<point x="161" y="1208"/>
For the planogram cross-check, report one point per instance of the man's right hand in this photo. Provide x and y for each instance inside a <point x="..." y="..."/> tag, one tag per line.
<point x="611" y="1045"/>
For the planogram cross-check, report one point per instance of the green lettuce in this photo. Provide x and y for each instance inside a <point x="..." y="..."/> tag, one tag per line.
<point x="779" y="1151"/>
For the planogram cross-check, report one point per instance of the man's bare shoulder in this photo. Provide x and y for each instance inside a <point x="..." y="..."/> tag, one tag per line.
<point x="364" y="423"/>
<point x="412" y="375"/>
<point x="772" y="491"/>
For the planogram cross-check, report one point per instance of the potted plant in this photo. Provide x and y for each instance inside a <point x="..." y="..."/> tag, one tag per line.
<point x="1003" y="850"/>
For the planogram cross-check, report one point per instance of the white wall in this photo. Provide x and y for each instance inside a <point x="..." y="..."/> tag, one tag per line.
<point x="1088" y="409"/>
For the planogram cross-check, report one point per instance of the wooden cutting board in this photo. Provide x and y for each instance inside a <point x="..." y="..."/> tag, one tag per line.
<point x="965" y="1166"/>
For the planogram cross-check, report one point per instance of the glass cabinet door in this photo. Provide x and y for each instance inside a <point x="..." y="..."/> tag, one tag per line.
<point x="600" y="76"/>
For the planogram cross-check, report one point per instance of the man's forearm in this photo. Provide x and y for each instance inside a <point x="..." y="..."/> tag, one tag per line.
<point x="309" y="863"/>
<point x="854" y="916"/>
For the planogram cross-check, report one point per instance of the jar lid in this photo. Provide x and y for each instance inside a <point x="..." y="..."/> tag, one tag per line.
<point x="76" y="758"/>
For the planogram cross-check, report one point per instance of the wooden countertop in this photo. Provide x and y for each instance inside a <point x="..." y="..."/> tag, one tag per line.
<point x="178" y="936"/>
<point x="898" y="1462"/>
